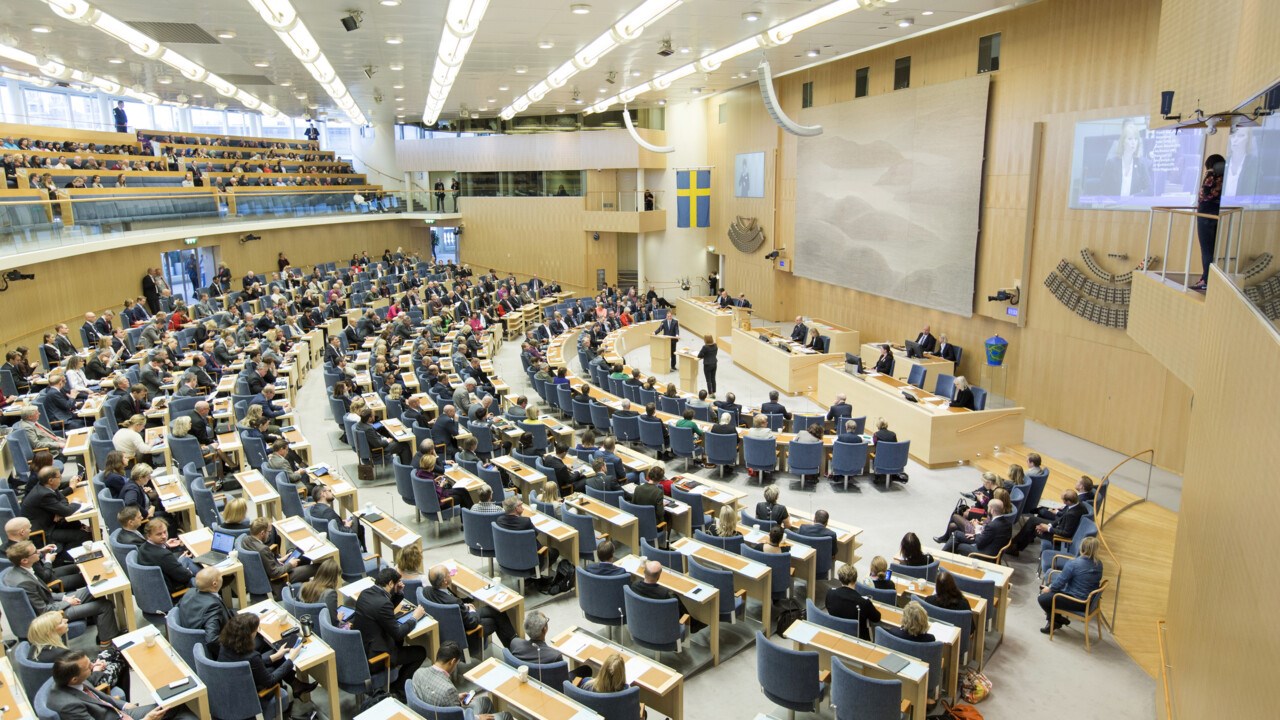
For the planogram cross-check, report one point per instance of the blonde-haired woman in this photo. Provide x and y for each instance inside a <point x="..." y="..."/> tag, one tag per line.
<point x="234" y="514"/>
<point x="963" y="395"/>
<point x="46" y="634"/>
<point x="915" y="624"/>
<point x="878" y="575"/>
<point x="128" y="439"/>
<point x="611" y="678"/>
<point x="409" y="563"/>
<point x="1081" y="576"/>
<point x="726" y="524"/>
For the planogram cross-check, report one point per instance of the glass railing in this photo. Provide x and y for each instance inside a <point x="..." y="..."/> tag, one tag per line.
<point x="30" y="221"/>
<point x="625" y="200"/>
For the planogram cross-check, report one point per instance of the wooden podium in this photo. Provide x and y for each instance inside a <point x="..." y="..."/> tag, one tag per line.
<point x="660" y="353"/>
<point x="687" y="363"/>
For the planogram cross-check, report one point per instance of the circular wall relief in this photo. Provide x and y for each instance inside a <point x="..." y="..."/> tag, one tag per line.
<point x="746" y="234"/>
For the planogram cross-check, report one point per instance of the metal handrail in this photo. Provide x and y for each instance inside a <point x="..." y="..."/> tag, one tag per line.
<point x="1146" y="493"/>
<point x="984" y="422"/>
<point x="1165" y="668"/>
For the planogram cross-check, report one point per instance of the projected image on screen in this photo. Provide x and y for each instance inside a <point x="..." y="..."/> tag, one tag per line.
<point x="1252" y="179"/>
<point x="887" y="197"/>
<point x="1118" y="164"/>
<point x="748" y="175"/>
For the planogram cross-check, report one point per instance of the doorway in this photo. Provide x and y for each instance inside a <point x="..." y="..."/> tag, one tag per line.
<point x="189" y="271"/>
<point x="444" y="244"/>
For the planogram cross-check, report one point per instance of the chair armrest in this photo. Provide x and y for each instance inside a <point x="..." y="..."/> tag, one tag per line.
<point x="267" y="691"/>
<point x="577" y="682"/>
<point x="542" y="550"/>
<point x="55" y="585"/>
<point x="1061" y="539"/>
<point x="476" y="629"/>
<point x="824" y="676"/>
<point x="446" y="503"/>
<point x="684" y="619"/>
<point x="372" y="556"/>
<point x="740" y="593"/>
<point x="180" y="593"/>
<point x="906" y="707"/>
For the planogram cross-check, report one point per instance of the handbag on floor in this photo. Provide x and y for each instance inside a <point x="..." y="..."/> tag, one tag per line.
<point x="364" y="472"/>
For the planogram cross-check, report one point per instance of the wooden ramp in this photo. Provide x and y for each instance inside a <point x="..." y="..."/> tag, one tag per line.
<point x="1140" y="542"/>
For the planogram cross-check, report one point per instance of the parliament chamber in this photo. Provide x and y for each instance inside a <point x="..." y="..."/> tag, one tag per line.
<point x="836" y="359"/>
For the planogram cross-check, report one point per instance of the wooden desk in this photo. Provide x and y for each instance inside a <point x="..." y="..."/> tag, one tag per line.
<point x="12" y="695"/>
<point x="751" y="577"/>
<point x="909" y="586"/>
<point x="714" y="495"/>
<point x="297" y="443"/>
<point x="159" y="665"/>
<point x="200" y="542"/>
<point x="425" y="631"/>
<point x="524" y="478"/>
<point x="804" y="559"/>
<point x="529" y="699"/>
<point x="941" y="631"/>
<point x="687" y="364"/>
<point x="77" y="446"/>
<point x="295" y="532"/>
<point x="660" y="351"/>
<point x="463" y="478"/>
<point x="932" y="364"/>
<point x="790" y="372"/>
<point x="702" y="316"/>
<point x="389" y="530"/>
<point x="981" y="570"/>
<point x="847" y="536"/>
<point x="175" y="499"/>
<point x="156" y="438"/>
<point x="113" y="582"/>
<point x="229" y="443"/>
<point x="556" y="534"/>
<point x="344" y="492"/>
<point x="700" y="600"/>
<point x="316" y="659"/>
<point x="939" y="435"/>
<point x="88" y="507"/>
<point x="661" y="688"/>
<point x="263" y="498"/>
<point x="621" y="526"/>
<point x="489" y="592"/>
<point x="389" y="709"/>
<point x="843" y="339"/>
<point x="865" y="658"/>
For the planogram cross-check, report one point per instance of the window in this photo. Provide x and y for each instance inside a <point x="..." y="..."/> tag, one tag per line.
<point x="806" y="95"/>
<point x="45" y="108"/>
<point x="210" y="122"/>
<point x="166" y="117"/>
<point x="280" y="126"/>
<point x="861" y="81"/>
<point x="337" y="138"/>
<point x="139" y="114"/>
<point x="84" y="113"/>
<point x="989" y="53"/>
<point x="902" y="73"/>
<point x="237" y="123"/>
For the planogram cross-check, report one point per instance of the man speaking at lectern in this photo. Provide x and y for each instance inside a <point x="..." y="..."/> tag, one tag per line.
<point x="671" y="329"/>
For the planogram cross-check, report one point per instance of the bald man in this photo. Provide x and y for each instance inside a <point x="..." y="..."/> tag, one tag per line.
<point x="204" y="608"/>
<point x="650" y="586"/>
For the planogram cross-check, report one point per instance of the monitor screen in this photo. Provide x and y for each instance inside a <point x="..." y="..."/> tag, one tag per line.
<point x="1252" y="177"/>
<point x="914" y="350"/>
<point x="1119" y="164"/>
<point x="748" y="175"/>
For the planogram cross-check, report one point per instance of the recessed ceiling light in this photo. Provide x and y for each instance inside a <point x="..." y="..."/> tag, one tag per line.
<point x="400" y="116"/>
<point x="116" y="61"/>
<point x="635" y="73"/>
<point x="491" y="100"/>
<point x="164" y="80"/>
<point x="603" y="90"/>
<point x="197" y="95"/>
<point x="396" y="67"/>
<point x="751" y="15"/>
<point x="906" y="22"/>
<point x="300" y="96"/>
<point x="577" y="101"/>
<point x="262" y="63"/>
<point x="227" y="34"/>
<point x="696" y="91"/>
<point x="399" y="109"/>
<point x="42" y="29"/>
<point x="522" y="69"/>
<point x="398" y="86"/>
<point x="546" y="44"/>
<point x="662" y="102"/>
<point x="503" y="88"/>
<point x="285" y="83"/>
<point x="927" y="12"/>
<point x="482" y="108"/>
<point x="812" y="53"/>
<point x="580" y="9"/>
<point x="399" y="99"/>
<point x="391" y="3"/>
<point x="559" y="108"/>
<point x="684" y="51"/>
<point x="393" y="39"/>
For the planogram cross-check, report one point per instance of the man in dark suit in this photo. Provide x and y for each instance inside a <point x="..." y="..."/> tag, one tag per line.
<point x="799" y="332"/>
<point x="103" y="324"/>
<point x="135" y="404"/>
<point x="375" y="619"/>
<point x="254" y="378"/>
<point x="89" y="331"/>
<point x="77" y="605"/>
<point x="18" y="530"/>
<point x="332" y="351"/>
<point x="1064" y="524"/>
<point x="818" y="528"/>
<point x="130" y="519"/>
<point x="73" y="697"/>
<point x="440" y="591"/>
<point x="671" y="328"/>
<point x="444" y="430"/>
<point x="62" y="342"/>
<point x="729" y="405"/>
<point x="773" y="407"/>
<point x="839" y="410"/>
<point x="204" y="608"/>
<point x="535" y="649"/>
<point x="377" y="441"/>
<point x="157" y="552"/>
<point x="48" y="511"/>
<point x="649" y="586"/>
<point x="566" y="478"/>
<point x="946" y="350"/>
<point x="153" y="377"/>
<point x="994" y="536"/>
<point x="925" y="340"/>
<point x="151" y="291"/>
<point x="605" y="566"/>
<point x="512" y="518"/>
<point x="650" y="493"/>
<point x="60" y="406"/>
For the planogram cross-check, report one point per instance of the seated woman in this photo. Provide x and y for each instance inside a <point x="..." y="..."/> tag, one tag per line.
<point x="770" y="509"/>
<point x="964" y="515"/>
<point x="409" y="563"/>
<point x="726" y="524"/>
<point x="234" y="515"/>
<point x="128" y="440"/>
<point x="847" y="603"/>
<point x="915" y="624"/>
<point x="1081" y="576"/>
<point x="323" y="586"/>
<point x="946" y="594"/>
<point x="47" y="633"/>
<point x="447" y="494"/>
<point x="611" y="678"/>
<point x="238" y="643"/>
<point x="671" y="391"/>
<point x="776" y="543"/>
<point x="467" y="450"/>
<point x="587" y="442"/>
<point x="963" y="395"/>
<point x="113" y="473"/>
<point x="878" y="576"/>
<point x="910" y="553"/>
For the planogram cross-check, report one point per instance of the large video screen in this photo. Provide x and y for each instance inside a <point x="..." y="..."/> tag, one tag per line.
<point x="1252" y="178"/>
<point x="748" y="175"/>
<point x="1118" y="164"/>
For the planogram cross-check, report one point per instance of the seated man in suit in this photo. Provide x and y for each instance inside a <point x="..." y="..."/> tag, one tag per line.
<point x="800" y="331"/>
<point x="153" y="377"/>
<point x="773" y="407"/>
<point x="612" y="462"/>
<point x="729" y="405"/>
<point x="48" y="511"/>
<point x="926" y="340"/>
<point x="535" y="649"/>
<point x="993" y="535"/>
<point x="77" y="605"/>
<point x="376" y="621"/>
<point x="567" y="479"/>
<point x="204" y="608"/>
<point x="839" y="409"/>
<point x="39" y="437"/>
<point x="278" y="458"/>
<point x="73" y="697"/>
<point x="322" y="509"/>
<point x="605" y="565"/>
<point x="131" y="520"/>
<point x="445" y="429"/>
<point x="333" y="351"/>
<point x="271" y="411"/>
<point x="377" y="441"/>
<point x="818" y="528"/>
<point x="440" y="591"/>
<point x="58" y="403"/>
<point x="294" y="571"/>
<point x="847" y="603"/>
<point x="847" y="431"/>
<point x="603" y="478"/>
<point x="434" y="686"/>
<point x="1064" y="524"/>
<point x="512" y="518"/>
<point x="157" y="551"/>
<point x="650" y="587"/>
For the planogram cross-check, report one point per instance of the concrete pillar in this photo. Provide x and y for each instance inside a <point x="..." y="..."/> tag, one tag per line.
<point x="376" y="156"/>
<point x="640" y="283"/>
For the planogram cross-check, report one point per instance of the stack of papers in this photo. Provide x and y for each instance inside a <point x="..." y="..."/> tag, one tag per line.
<point x="576" y="644"/>
<point x="635" y="667"/>
<point x="802" y="632"/>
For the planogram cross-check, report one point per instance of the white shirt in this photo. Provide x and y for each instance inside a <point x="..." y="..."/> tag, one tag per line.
<point x="130" y="441"/>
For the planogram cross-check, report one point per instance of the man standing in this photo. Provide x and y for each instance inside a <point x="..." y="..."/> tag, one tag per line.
<point x="121" y="119"/>
<point x="671" y="328"/>
<point x="312" y="132"/>
<point x="439" y="192"/>
<point x="150" y="290"/>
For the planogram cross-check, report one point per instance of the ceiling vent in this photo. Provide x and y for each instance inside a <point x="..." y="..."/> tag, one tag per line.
<point x="168" y="33"/>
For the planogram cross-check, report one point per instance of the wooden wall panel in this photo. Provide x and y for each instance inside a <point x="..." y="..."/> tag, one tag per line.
<point x="65" y="289"/>
<point x="544" y="151"/>
<point x="1221" y="648"/>
<point x="527" y="236"/>
<point x="1166" y="322"/>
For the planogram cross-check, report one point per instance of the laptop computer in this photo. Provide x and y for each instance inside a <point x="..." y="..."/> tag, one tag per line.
<point x="222" y="545"/>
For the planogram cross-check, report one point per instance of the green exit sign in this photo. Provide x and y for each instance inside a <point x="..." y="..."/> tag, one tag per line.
<point x="190" y="241"/>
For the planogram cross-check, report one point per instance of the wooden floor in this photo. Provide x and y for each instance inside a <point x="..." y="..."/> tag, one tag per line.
<point x="1141" y="540"/>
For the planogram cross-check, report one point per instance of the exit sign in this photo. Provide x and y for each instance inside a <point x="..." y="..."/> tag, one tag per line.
<point x="190" y="241"/>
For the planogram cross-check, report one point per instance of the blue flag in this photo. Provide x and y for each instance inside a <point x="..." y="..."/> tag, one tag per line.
<point x="693" y="198"/>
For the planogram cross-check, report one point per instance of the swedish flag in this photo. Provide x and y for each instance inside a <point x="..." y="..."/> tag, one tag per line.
<point x="693" y="198"/>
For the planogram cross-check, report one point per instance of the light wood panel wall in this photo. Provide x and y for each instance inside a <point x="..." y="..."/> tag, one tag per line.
<point x="1222" y="644"/>
<point x="1061" y="61"/>
<point x="65" y="289"/>
<point x="546" y="151"/>
<point x="1166" y="321"/>
<point x="535" y="235"/>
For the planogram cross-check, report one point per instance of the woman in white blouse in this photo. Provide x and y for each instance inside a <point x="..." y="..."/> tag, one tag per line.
<point x="128" y="439"/>
<point x="77" y="381"/>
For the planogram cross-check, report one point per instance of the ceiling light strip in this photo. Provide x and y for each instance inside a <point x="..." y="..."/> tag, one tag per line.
<point x="282" y="17"/>
<point x="84" y="13"/>
<point x="780" y="34"/>
<point x="625" y="30"/>
<point x="461" y="21"/>
<point x="62" y="73"/>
